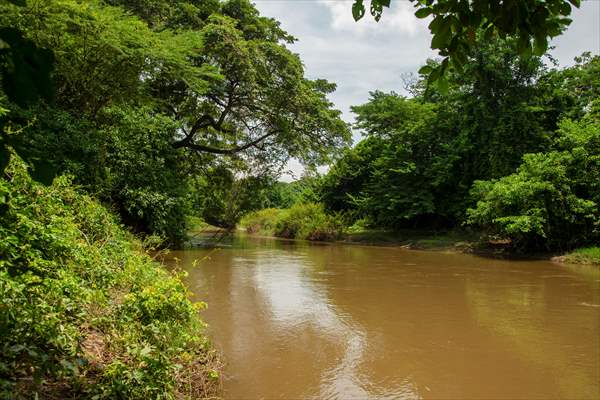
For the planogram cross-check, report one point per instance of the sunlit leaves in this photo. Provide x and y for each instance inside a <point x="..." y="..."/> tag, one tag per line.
<point x="551" y="201"/>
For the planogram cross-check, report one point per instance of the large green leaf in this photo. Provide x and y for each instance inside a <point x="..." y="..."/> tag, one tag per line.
<point x="358" y="10"/>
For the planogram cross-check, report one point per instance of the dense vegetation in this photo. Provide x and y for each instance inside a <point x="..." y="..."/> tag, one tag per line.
<point x="152" y="103"/>
<point x="84" y="313"/>
<point x="158" y="112"/>
<point x="152" y="113"/>
<point x="510" y="149"/>
<point x="307" y="221"/>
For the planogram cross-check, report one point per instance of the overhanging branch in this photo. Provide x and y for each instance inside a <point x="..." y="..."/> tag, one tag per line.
<point x="225" y="151"/>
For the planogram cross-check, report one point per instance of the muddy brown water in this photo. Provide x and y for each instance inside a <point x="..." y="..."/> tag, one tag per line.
<point x="327" y="321"/>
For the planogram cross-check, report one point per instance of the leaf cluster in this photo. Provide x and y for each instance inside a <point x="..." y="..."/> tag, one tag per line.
<point x="455" y="25"/>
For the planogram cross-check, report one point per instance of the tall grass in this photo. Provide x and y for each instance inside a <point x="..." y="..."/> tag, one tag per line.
<point x="586" y="255"/>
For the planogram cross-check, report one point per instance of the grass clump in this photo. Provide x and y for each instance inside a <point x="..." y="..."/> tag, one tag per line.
<point x="84" y="312"/>
<point x="585" y="255"/>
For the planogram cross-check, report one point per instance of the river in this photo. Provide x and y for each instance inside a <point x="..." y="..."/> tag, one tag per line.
<point x="326" y="321"/>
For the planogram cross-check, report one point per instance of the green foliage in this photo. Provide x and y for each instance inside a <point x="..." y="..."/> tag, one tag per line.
<point x="143" y="174"/>
<point x="286" y="194"/>
<point x="222" y="199"/>
<point x="553" y="200"/>
<point x="139" y="82"/>
<point x="105" y="56"/>
<point x="262" y="221"/>
<point x="169" y="14"/>
<point x="125" y="159"/>
<point x="572" y="90"/>
<point x="585" y="255"/>
<point x="84" y="312"/>
<point x="454" y="26"/>
<point x="25" y="77"/>
<point x="308" y="221"/>
<point x="261" y="100"/>
<point x="421" y="156"/>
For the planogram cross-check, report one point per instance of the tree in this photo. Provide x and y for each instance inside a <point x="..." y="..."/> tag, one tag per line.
<point x="422" y="155"/>
<point x="261" y="105"/>
<point x="152" y="94"/>
<point x="455" y="24"/>
<point x="24" y="78"/>
<point x="552" y="201"/>
<point x="223" y="199"/>
<point x="393" y="177"/>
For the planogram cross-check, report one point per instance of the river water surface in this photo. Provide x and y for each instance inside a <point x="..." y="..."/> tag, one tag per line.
<point x="317" y="321"/>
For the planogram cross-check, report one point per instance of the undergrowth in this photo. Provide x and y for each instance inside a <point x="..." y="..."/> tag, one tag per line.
<point x="84" y="312"/>
<point x="301" y="221"/>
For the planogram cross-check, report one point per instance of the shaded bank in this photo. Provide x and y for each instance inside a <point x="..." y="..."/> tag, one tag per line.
<point x="314" y="223"/>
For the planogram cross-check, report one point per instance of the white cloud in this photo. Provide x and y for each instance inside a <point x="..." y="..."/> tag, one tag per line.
<point x="398" y="18"/>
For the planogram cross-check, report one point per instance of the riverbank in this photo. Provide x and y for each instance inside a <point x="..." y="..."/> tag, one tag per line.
<point x="85" y="312"/>
<point x="586" y="255"/>
<point x="312" y="224"/>
<point x="416" y="239"/>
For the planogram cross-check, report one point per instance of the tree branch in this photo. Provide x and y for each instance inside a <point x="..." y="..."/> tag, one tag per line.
<point x="230" y="151"/>
<point x="208" y="121"/>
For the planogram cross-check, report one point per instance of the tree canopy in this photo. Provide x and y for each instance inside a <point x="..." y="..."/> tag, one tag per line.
<point x="509" y="148"/>
<point x="149" y="95"/>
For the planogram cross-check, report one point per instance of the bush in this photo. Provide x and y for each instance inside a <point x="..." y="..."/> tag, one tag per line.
<point x="302" y="221"/>
<point x="125" y="159"/>
<point x="308" y="221"/>
<point x="262" y="221"/>
<point x="84" y="313"/>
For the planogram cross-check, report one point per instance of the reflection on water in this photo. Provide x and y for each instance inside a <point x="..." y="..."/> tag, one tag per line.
<point x="295" y="320"/>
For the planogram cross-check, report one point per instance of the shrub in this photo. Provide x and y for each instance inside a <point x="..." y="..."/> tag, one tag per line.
<point x="262" y="221"/>
<point x="308" y="221"/>
<point x="83" y="312"/>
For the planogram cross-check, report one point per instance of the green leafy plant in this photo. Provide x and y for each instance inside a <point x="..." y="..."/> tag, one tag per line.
<point x="84" y="312"/>
<point x="308" y="221"/>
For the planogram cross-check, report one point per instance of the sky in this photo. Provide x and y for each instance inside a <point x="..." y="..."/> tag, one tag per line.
<point x="365" y="56"/>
